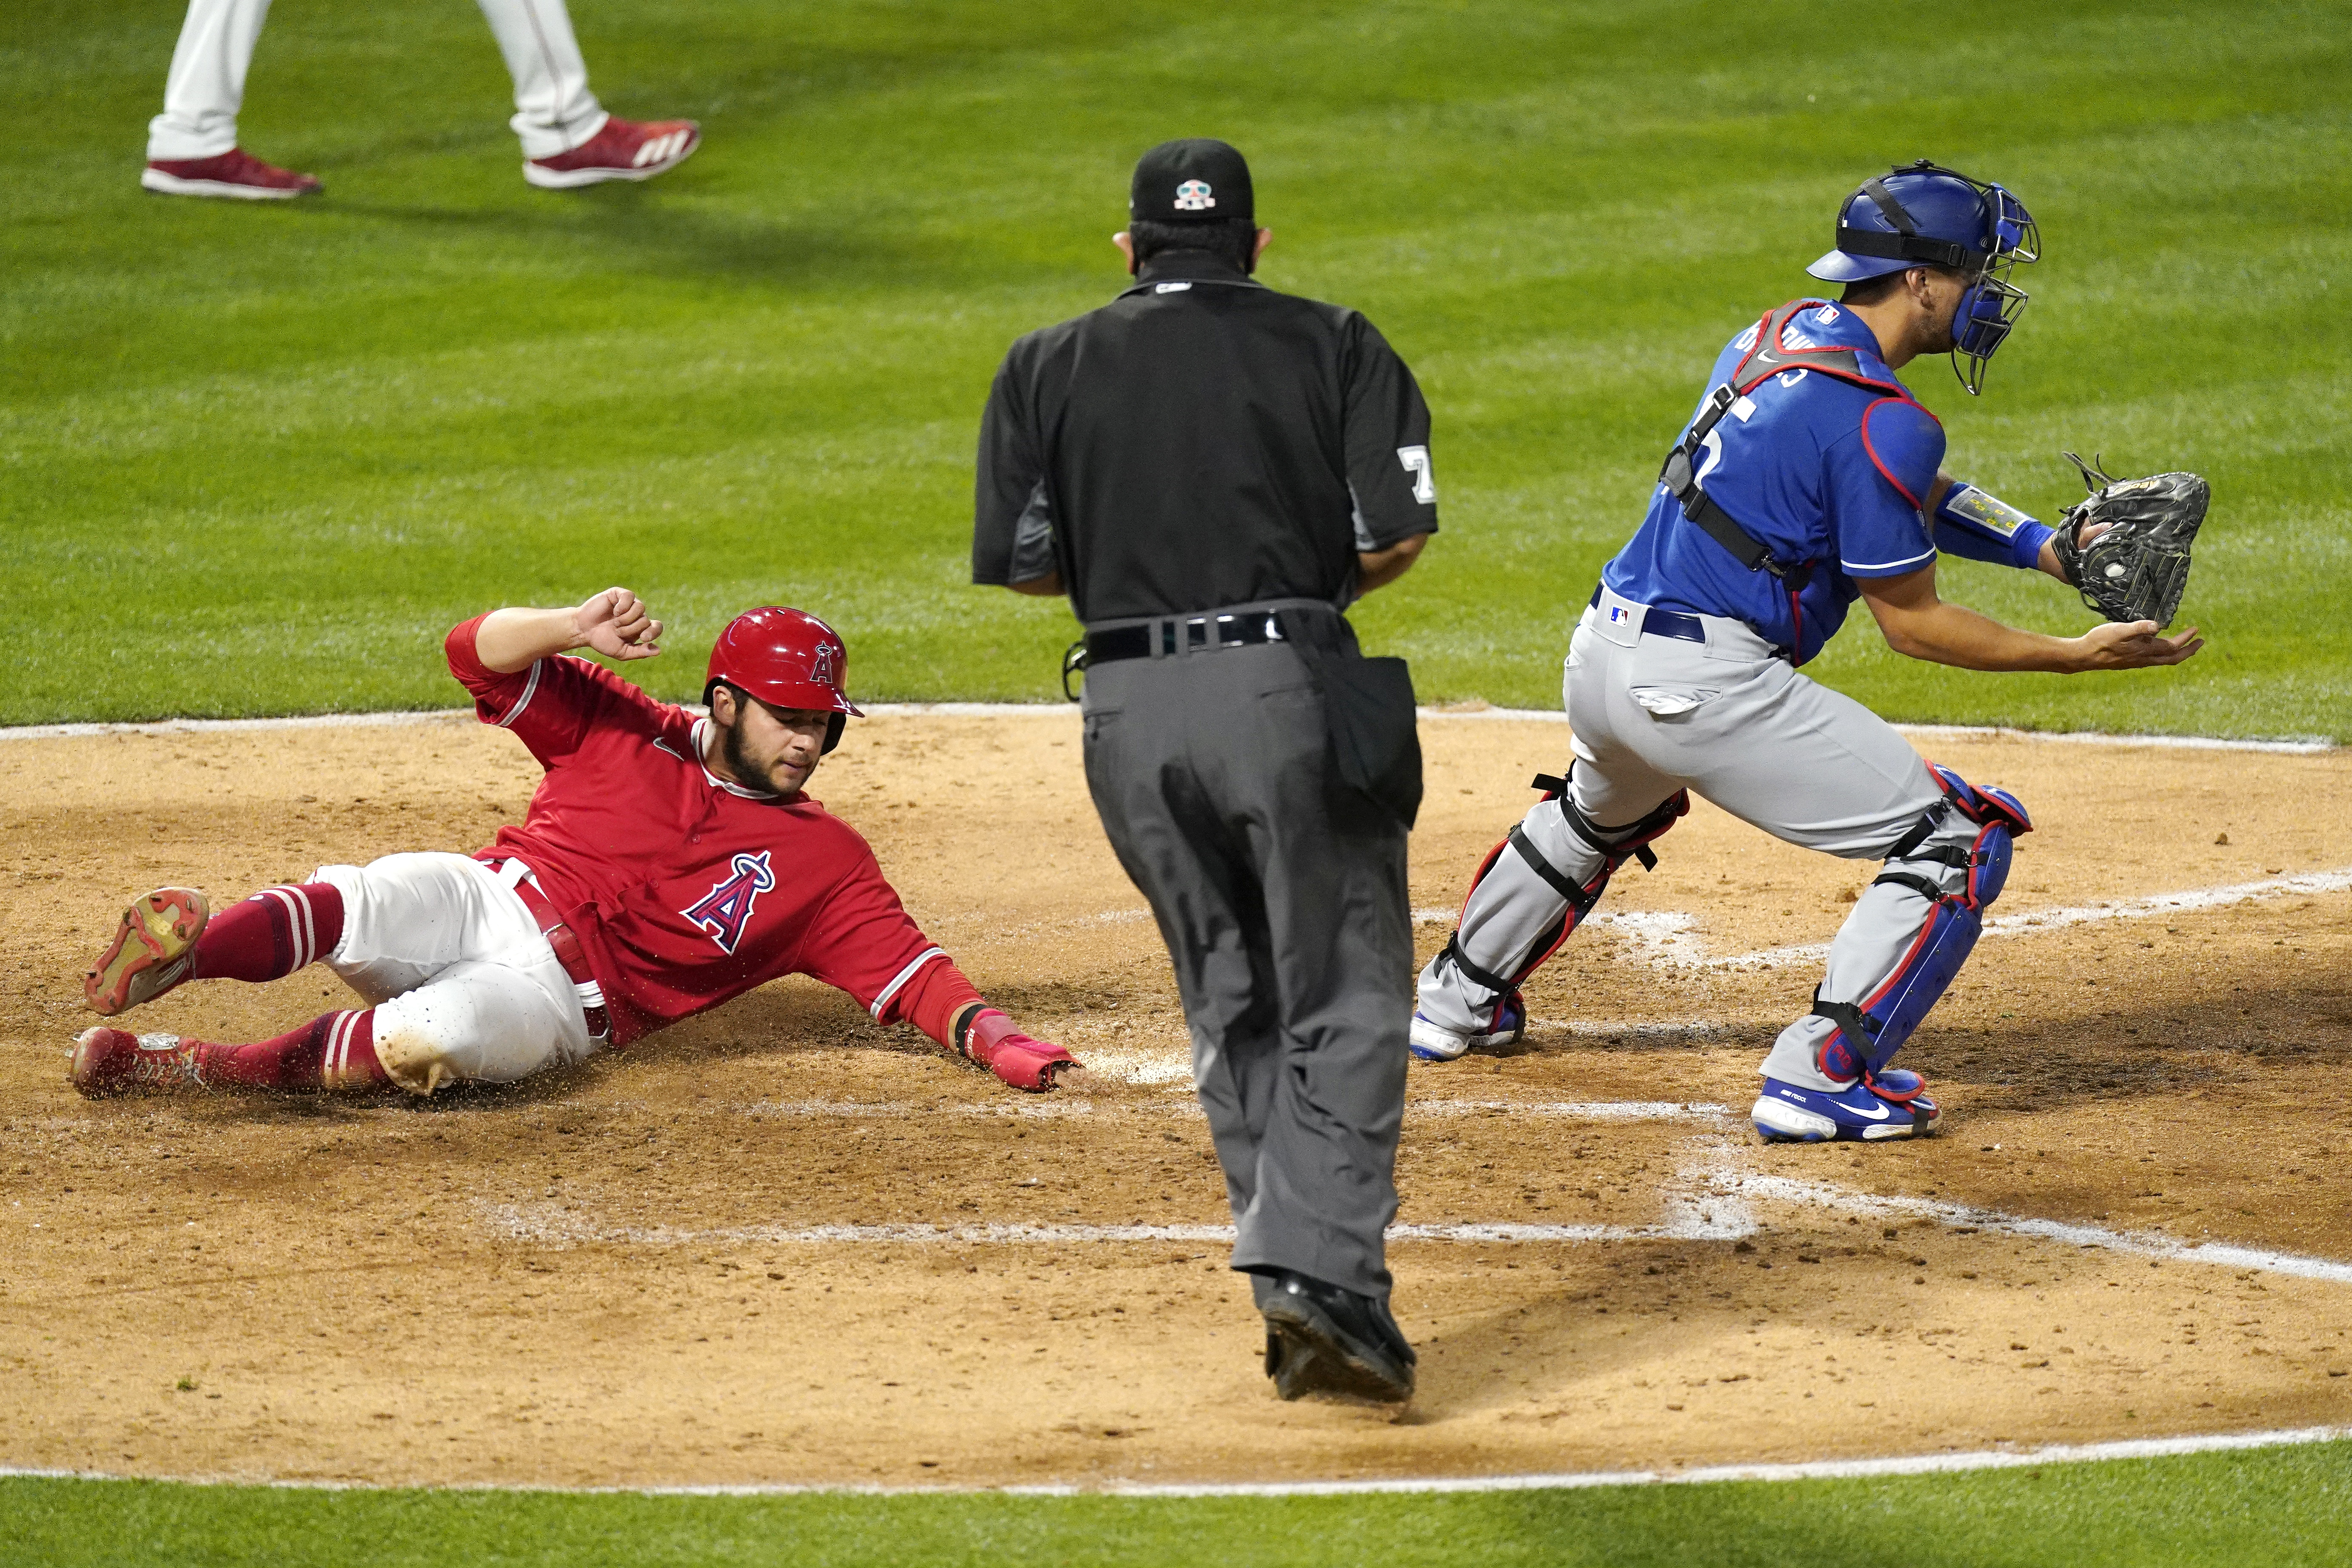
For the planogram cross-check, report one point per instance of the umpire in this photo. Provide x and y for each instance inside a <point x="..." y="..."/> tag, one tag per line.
<point x="1211" y="471"/>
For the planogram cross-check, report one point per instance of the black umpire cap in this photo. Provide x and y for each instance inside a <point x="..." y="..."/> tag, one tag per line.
<point x="1196" y="180"/>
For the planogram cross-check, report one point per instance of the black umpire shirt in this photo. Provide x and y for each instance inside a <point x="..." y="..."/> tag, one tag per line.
<point x="1199" y="441"/>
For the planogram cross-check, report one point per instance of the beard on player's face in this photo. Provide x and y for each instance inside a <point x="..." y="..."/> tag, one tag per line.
<point x="790" y="757"/>
<point x="1941" y="305"/>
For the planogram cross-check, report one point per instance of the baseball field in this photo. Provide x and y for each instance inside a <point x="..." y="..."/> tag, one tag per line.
<point x="781" y="1287"/>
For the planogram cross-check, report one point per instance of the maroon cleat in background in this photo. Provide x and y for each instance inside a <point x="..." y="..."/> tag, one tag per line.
<point x="236" y="174"/>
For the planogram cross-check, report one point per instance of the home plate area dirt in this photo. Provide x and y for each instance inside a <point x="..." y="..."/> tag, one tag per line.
<point x="781" y="1245"/>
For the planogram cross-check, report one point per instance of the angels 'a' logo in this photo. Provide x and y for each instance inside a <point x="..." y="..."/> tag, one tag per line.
<point x="726" y="910"/>
<point x="821" y="666"/>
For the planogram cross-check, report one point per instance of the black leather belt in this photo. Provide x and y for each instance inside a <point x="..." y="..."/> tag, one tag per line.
<point x="1666" y="623"/>
<point x="1182" y="634"/>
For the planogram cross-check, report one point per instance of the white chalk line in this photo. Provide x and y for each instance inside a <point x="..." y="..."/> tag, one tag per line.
<point x="2293" y="747"/>
<point x="2297" y="745"/>
<point x="1572" y="1110"/>
<point x="2031" y="922"/>
<point x="1568" y="1109"/>
<point x="2137" y="1244"/>
<point x="1170" y="1066"/>
<point x="1806" y="1470"/>
<point x="1709" y="1198"/>
<point x="562" y="1228"/>
<point x="1706" y="1203"/>
<point x="1664" y="936"/>
<point x="233" y="726"/>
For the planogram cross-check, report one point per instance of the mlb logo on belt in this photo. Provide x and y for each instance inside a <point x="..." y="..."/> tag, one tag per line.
<point x="1193" y="196"/>
<point x="1618" y="614"/>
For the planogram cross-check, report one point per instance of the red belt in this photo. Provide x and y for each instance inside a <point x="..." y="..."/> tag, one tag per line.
<point x="565" y="944"/>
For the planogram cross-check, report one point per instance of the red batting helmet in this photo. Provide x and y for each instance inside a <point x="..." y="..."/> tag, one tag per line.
<point x="786" y="658"/>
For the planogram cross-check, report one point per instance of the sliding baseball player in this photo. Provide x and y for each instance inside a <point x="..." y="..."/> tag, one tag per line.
<point x="667" y="864"/>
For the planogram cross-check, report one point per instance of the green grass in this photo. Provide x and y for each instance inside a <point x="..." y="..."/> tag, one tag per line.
<point x="255" y="461"/>
<point x="2281" y="1508"/>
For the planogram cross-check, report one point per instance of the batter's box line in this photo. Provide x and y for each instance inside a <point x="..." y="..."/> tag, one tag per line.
<point x="1562" y="1110"/>
<point x="565" y="1228"/>
<point x="1707" y="1204"/>
<point x="1663" y="937"/>
<point x="2293" y="746"/>
<point x="2136" y="1244"/>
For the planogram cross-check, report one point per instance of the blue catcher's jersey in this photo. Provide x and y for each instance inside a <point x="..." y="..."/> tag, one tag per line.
<point x="1818" y="470"/>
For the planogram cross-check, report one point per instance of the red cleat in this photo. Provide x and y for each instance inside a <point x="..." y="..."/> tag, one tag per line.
<point x="236" y="174"/>
<point x="108" y="1062"/>
<point x="623" y="150"/>
<point x="153" y="949"/>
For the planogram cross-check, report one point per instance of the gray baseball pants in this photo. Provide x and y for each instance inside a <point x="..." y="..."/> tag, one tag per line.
<point x="1737" y="725"/>
<point x="1281" y="901"/>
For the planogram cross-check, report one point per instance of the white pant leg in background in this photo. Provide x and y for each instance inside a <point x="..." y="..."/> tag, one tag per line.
<point x="464" y="986"/>
<point x="207" y="85"/>
<point x="554" y="111"/>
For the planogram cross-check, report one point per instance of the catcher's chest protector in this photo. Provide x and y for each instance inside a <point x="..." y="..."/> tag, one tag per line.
<point x="1771" y="354"/>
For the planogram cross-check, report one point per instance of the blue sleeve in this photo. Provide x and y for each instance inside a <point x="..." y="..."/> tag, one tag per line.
<point x="1876" y="479"/>
<point x="1985" y="528"/>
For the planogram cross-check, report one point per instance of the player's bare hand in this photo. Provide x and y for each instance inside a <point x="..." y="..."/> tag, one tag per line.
<point x="2135" y="645"/>
<point x="616" y="624"/>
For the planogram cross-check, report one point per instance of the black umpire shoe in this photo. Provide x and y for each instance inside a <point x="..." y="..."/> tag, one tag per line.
<point x="1320" y="1339"/>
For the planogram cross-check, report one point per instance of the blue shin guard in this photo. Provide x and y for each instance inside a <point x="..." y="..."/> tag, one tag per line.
<point x="1871" y="1031"/>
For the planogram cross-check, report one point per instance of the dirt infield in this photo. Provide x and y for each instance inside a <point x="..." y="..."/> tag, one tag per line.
<point x="759" y="1248"/>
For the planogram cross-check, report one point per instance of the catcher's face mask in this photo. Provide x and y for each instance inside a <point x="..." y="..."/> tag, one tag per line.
<point x="1991" y="305"/>
<point x="1923" y="212"/>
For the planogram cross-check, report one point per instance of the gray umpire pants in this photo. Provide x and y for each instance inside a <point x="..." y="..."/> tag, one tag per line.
<point x="1735" y="724"/>
<point x="1282" y="900"/>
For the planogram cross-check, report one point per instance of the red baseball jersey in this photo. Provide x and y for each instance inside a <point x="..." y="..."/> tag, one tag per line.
<point x="687" y="889"/>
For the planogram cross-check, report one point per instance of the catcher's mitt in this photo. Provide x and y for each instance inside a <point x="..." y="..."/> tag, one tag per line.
<point x="2136" y="569"/>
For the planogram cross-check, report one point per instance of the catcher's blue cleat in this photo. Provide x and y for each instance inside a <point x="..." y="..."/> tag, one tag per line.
<point x="1893" y="1104"/>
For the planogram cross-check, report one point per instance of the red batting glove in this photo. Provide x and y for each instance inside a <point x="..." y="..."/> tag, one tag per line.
<point x="997" y="1044"/>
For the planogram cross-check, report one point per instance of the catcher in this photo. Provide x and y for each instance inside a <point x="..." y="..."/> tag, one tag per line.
<point x="666" y="862"/>
<point x="1807" y="478"/>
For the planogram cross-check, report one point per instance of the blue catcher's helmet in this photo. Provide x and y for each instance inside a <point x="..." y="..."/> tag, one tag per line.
<point x="1923" y="214"/>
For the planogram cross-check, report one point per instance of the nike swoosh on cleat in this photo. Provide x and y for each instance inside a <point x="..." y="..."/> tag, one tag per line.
<point x="1876" y="1112"/>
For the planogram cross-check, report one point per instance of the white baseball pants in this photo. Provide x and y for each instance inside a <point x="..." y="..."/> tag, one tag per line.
<point x="1651" y="715"/>
<point x="554" y="111"/>
<point x="464" y="988"/>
